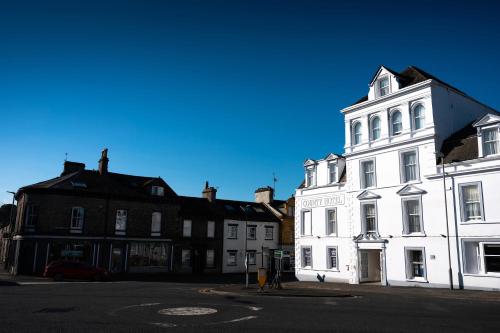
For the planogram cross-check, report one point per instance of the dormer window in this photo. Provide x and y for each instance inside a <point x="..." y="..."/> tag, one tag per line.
<point x="310" y="177"/>
<point x="332" y="173"/>
<point x="490" y="141"/>
<point x="157" y="190"/>
<point x="383" y="86"/>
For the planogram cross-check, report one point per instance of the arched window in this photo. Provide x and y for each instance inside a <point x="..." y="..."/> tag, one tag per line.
<point x="396" y="123"/>
<point x="418" y="117"/>
<point x="356" y="133"/>
<point x="375" y="128"/>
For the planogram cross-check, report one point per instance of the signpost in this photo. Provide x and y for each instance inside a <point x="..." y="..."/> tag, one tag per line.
<point x="278" y="264"/>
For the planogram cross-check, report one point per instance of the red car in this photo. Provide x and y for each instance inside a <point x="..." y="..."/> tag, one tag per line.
<point x="59" y="270"/>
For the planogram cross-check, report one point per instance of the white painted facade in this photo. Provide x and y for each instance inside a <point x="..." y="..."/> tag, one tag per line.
<point x="237" y="242"/>
<point x="391" y="223"/>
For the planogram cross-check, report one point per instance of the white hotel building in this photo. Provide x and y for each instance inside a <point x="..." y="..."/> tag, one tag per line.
<point x="378" y="213"/>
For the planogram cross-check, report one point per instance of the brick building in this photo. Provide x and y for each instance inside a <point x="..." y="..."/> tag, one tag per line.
<point x="134" y="224"/>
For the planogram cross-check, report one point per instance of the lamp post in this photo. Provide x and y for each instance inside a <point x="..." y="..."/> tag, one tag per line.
<point x="450" y="272"/>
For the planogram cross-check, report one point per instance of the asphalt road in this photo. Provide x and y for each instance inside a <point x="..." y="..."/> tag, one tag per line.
<point x="129" y="306"/>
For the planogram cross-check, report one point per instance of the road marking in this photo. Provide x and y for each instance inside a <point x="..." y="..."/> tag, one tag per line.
<point x="187" y="311"/>
<point x="112" y="313"/>
<point x="238" y="319"/>
<point x="254" y="308"/>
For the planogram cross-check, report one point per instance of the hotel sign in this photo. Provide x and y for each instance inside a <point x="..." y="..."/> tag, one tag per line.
<point x="322" y="201"/>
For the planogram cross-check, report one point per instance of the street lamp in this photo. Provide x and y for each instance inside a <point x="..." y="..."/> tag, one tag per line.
<point x="11" y="207"/>
<point x="450" y="272"/>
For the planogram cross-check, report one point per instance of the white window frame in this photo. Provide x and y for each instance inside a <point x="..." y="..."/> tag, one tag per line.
<point x="462" y="204"/>
<point x="327" y="219"/>
<point x="364" y="228"/>
<point x="406" y="221"/>
<point x="303" y="222"/>
<point x="497" y="141"/>
<point x="328" y="258"/>
<point x="333" y="166"/>
<point x="77" y="215"/>
<point x="156" y="223"/>
<point x="302" y="257"/>
<point x="249" y="235"/>
<point x="230" y="228"/>
<point x="409" y="265"/>
<point x="158" y="191"/>
<point x="207" y="263"/>
<point x="391" y="127"/>
<point x="372" y="128"/>
<point x="211" y="230"/>
<point x="379" y="85"/>
<point x="362" y="173"/>
<point x="252" y="257"/>
<point x="232" y="254"/>
<point x="187" y="228"/>
<point x="414" y="118"/>
<point x="353" y="131"/>
<point x="402" y="169"/>
<point x="311" y="181"/>
<point x="480" y="256"/>
<point x="266" y="232"/>
<point x="121" y="229"/>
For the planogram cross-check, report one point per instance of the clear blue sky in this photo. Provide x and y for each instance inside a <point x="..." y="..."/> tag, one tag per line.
<point x="225" y="91"/>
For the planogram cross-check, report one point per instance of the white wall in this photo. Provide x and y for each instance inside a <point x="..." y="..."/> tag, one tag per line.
<point x="256" y="245"/>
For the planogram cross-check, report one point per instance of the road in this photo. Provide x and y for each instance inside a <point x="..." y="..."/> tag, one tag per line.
<point x="130" y="306"/>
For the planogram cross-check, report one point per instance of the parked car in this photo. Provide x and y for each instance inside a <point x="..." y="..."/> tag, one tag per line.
<point x="65" y="269"/>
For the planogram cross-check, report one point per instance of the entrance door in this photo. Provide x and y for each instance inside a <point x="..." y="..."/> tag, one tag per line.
<point x="369" y="266"/>
<point x="363" y="266"/>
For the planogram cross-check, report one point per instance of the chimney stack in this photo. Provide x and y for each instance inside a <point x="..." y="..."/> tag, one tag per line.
<point x="70" y="167"/>
<point x="209" y="192"/>
<point x="103" y="162"/>
<point x="264" y="195"/>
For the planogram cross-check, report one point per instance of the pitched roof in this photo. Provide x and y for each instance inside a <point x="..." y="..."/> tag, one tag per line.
<point x="462" y="145"/>
<point x="410" y="76"/>
<point x="92" y="182"/>
<point x="244" y="210"/>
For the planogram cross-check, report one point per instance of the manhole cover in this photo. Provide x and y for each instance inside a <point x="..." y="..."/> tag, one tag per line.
<point x="187" y="311"/>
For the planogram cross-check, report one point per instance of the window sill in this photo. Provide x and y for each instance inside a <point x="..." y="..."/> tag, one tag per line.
<point x="120" y="233"/>
<point x="415" y="234"/>
<point x="155" y="234"/>
<point x="490" y="275"/>
<point x="232" y="238"/>
<point x="307" y="268"/>
<point x="331" y="236"/>
<point x="75" y="231"/>
<point x="420" y="280"/>
<point x="269" y="239"/>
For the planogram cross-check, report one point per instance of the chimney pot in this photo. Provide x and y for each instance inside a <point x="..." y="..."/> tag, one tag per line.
<point x="264" y="195"/>
<point x="209" y="193"/>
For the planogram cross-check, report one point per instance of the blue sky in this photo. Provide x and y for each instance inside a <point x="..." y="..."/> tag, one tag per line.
<point x="225" y="91"/>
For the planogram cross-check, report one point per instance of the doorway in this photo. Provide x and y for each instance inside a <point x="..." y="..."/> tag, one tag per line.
<point x="369" y="266"/>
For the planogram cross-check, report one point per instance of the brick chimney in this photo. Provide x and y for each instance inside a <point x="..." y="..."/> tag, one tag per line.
<point x="264" y="195"/>
<point x="209" y="192"/>
<point x="70" y="167"/>
<point x="103" y="162"/>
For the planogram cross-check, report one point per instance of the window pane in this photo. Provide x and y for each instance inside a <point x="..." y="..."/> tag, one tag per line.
<point x="357" y="133"/>
<point x="490" y="141"/>
<point x="376" y="128"/>
<point x="413" y="215"/>
<point x="370" y="219"/>
<point x="368" y="173"/>
<point x="186" y="230"/>
<point x="471" y="202"/>
<point x="471" y="257"/>
<point x="156" y="222"/>
<point x="492" y="257"/>
<point x="410" y="166"/>
<point x="418" y="117"/>
<point x="210" y="258"/>
<point x="210" y="229"/>
<point x="397" y="125"/>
